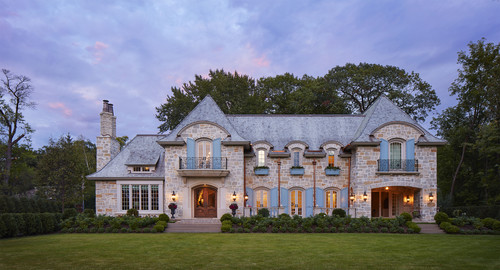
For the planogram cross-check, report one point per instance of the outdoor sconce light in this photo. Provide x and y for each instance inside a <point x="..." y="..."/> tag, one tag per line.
<point x="431" y="197"/>
<point x="407" y="199"/>
<point x="173" y="196"/>
<point x="365" y="196"/>
<point x="234" y="196"/>
<point x="352" y="197"/>
<point x="246" y="196"/>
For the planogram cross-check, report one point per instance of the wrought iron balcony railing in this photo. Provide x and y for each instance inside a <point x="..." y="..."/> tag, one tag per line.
<point x="405" y="165"/>
<point x="190" y="163"/>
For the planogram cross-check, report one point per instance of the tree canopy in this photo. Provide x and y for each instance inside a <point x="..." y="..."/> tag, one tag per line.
<point x="343" y="90"/>
<point x="470" y="163"/>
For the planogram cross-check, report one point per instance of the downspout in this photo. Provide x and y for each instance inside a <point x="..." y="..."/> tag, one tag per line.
<point x="244" y="183"/>
<point x="279" y="185"/>
<point x="314" y="181"/>
<point x="348" y="184"/>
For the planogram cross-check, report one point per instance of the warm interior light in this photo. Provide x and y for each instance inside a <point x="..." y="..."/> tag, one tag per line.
<point x="173" y="196"/>
<point x="234" y="196"/>
<point x="407" y="199"/>
<point x="352" y="197"/>
<point x="386" y="188"/>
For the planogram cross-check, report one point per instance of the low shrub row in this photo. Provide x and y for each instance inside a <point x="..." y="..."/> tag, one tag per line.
<point x="467" y="224"/>
<point x="492" y="211"/>
<point x="85" y="223"/>
<point x="320" y="223"/>
<point x="23" y="224"/>
<point x="12" y="204"/>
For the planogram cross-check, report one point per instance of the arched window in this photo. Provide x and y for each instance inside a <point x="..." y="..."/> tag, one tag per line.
<point x="331" y="199"/>
<point x="261" y="157"/>
<point x="261" y="198"/>
<point x="297" y="202"/>
<point x="396" y="150"/>
<point x="204" y="153"/>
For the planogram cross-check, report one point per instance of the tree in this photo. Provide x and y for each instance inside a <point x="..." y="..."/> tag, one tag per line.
<point x="471" y="127"/>
<point x="15" y="93"/>
<point x="62" y="169"/>
<point x="360" y="85"/>
<point x="234" y="93"/>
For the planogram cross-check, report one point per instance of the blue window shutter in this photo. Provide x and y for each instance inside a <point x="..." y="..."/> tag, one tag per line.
<point x="190" y="153"/>
<point x="284" y="199"/>
<point x="250" y="197"/>
<point x="217" y="154"/>
<point x="320" y="197"/>
<point x="384" y="155"/>
<point x="309" y="202"/>
<point x="410" y="155"/>
<point x="274" y="197"/>
<point x="344" y="198"/>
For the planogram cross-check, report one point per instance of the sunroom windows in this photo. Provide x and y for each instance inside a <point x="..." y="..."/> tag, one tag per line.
<point x="146" y="197"/>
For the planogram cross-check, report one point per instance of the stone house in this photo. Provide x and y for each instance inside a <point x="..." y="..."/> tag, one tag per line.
<point x="377" y="164"/>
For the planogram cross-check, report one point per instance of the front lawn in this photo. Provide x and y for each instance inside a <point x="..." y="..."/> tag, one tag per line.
<point x="255" y="251"/>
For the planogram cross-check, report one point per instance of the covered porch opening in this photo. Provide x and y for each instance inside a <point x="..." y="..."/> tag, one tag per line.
<point x="391" y="201"/>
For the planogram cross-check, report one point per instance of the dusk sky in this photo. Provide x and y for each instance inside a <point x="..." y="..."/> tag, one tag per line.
<point x="78" y="53"/>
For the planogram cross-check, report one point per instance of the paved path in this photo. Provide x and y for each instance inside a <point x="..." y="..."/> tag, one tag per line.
<point x="430" y="228"/>
<point x="195" y="226"/>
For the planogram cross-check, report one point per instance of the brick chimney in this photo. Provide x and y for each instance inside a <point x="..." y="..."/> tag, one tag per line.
<point x="107" y="145"/>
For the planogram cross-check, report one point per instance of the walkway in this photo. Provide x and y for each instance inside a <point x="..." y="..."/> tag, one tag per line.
<point x="209" y="225"/>
<point x="430" y="228"/>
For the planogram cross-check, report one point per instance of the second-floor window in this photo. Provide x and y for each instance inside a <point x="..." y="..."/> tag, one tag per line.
<point x="331" y="158"/>
<point x="296" y="159"/>
<point x="261" y="158"/>
<point x="395" y="150"/>
<point x="204" y="149"/>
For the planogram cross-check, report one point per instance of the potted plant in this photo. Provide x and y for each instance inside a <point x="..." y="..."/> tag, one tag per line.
<point x="297" y="170"/>
<point x="261" y="170"/>
<point x="233" y="207"/>
<point x="172" y="206"/>
<point x="332" y="170"/>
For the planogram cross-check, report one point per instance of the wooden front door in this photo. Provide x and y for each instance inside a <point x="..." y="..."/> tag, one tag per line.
<point x="205" y="202"/>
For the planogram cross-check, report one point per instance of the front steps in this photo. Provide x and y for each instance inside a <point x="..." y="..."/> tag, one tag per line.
<point x="206" y="225"/>
<point x="430" y="228"/>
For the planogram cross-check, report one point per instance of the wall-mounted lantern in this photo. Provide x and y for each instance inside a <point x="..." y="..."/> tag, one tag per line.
<point x="365" y="196"/>
<point x="408" y="199"/>
<point x="431" y="197"/>
<point x="173" y="196"/>
<point x="246" y="197"/>
<point x="234" y="196"/>
<point x="352" y="197"/>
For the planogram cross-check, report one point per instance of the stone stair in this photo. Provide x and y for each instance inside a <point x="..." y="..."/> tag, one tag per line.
<point x="208" y="225"/>
<point x="430" y="228"/>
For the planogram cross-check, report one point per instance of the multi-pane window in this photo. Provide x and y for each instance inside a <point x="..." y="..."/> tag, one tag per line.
<point x="138" y="169"/>
<point x="142" y="197"/>
<point x="395" y="155"/>
<point x="261" y="198"/>
<point x="331" y="158"/>
<point x="331" y="199"/>
<point x="296" y="159"/>
<point x="204" y="149"/>
<point x="261" y="158"/>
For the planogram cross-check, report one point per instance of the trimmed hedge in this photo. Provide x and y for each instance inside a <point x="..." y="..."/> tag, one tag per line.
<point x="82" y="223"/>
<point x="492" y="211"/>
<point x="23" y="224"/>
<point x="12" y="204"/>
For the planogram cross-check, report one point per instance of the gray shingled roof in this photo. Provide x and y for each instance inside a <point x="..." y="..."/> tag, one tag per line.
<point x="383" y="111"/>
<point x="314" y="130"/>
<point x="206" y="110"/>
<point x="141" y="150"/>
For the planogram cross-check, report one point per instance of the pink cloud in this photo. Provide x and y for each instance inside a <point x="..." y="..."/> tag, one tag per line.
<point x="261" y="61"/>
<point x="97" y="50"/>
<point x="62" y="107"/>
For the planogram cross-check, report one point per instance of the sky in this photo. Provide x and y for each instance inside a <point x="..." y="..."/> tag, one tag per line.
<point x="132" y="53"/>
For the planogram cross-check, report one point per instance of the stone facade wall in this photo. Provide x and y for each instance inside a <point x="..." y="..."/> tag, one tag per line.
<point x="183" y="186"/>
<point x="365" y="176"/>
<point x="107" y="149"/>
<point x="106" y="198"/>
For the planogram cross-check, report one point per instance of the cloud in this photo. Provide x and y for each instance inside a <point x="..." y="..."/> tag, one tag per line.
<point x="97" y="51"/>
<point x="61" y="107"/>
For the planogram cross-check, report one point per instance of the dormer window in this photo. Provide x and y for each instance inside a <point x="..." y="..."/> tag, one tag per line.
<point x="331" y="158"/>
<point x="261" y="158"/>
<point x="296" y="159"/>
<point x="141" y="169"/>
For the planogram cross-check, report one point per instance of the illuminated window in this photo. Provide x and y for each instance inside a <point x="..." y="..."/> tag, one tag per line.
<point x="261" y="158"/>
<point x="331" y="158"/>
<point x="143" y="197"/>
<point x="261" y="198"/>
<point x="331" y="199"/>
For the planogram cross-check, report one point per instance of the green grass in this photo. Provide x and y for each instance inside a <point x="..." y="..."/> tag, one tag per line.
<point x="255" y="251"/>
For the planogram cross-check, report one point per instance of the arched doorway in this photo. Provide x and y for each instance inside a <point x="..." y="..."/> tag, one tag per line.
<point x="205" y="202"/>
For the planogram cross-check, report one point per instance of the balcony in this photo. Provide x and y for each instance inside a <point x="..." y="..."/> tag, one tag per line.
<point x="203" y="167"/>
<point x="397" y="166"/>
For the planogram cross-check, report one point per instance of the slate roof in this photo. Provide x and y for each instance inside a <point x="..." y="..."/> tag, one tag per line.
<point x="141" y="150"/>
<point x="383" y="111"/>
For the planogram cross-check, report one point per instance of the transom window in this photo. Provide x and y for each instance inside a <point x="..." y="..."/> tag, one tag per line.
<point x="145" y="197"/>
<point x="261" y="197"/>
<point x="261" y="158"/>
